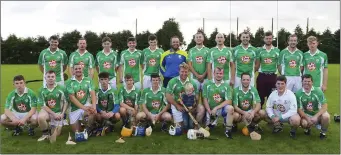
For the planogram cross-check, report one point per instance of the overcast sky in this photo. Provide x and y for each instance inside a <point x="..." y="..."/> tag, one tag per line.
<point x="47" y="18"/>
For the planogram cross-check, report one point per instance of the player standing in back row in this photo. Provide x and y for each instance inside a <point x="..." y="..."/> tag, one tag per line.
<point x="106" y="61"/>
<point x="290" y="64"/>
<point x="266" y="65"/>
<point x="54" y="59"/>
<point x="315" y="63"/>
<point x="84" y="58"/>
<point x="151" y="61"/>
<point x="244" y="57"/>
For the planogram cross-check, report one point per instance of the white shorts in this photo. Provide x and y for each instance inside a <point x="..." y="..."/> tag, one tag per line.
<point x="136" y="84"/>
<point x="58" y="83"/>
<point x="294" y="83"/>
<point x="238" y="82"/>
<point x="199" y="85"/>
<point x="19" y="116"/>
<point x="55" y="122"/>
<point x="147" y="81"/>
<point x="112" y="83"/>
<point x="221" y="112"/>
<point x="177" y="115"/>
<point x="76" y="115"/>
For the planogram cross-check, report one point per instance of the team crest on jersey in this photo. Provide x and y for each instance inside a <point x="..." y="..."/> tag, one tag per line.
<point x="80" y="94"/>
<point x="51" y="103"/>
<point x="310" y="106"/>
<point x="22" y="107"/>
<point x="129" y="102"/>
<point x="104" y="103"/>
<point x="217" y="98"/>
<point x="82" y="64"/>
<point x="311" y="66"/>
<point x="267" y="60"/>
<point x="53" y="63"/>
<point x="222" y="60"/>
<point x="156" y="104"/>
<point x="152" y="62"/>
<point x="280" y="108"/>
<point x="106" y="65"/>
<point x="245" y="59"/>
<point x="199" y="59"/>
<point x="292" y="63"/>
<point x="245" y="104"/>
<point x="132" y="62"/>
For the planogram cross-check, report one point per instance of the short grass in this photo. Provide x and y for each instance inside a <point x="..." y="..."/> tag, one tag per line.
<point x="163" y="143"/>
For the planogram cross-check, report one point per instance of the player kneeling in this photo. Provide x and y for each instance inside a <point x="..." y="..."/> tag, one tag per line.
<point x="128" y="98"/>
<point x="107" y="104"/>
<point x="154" y="104"/>
<point x="281" y="107"/>
<point x="53" y="102"/>
<point x="217" y="101"/>
<point x="20" y="108"/>
<point x="246" y="103"/>
<point x="312" y="106"/>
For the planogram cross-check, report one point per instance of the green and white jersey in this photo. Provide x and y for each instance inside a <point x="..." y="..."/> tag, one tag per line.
<point x="245" y="100"/>
<point x="81" y="90"/>
<point x="154" y="101"/>
<point x="151" y="60"/>
<point x="199" y="57"/>
<point x="244" y="59"/>
<point x="310" y="102"/>
<point x="67" y="84"/>
<point x="268" y="59"/>
<point x="131" y="62"/>
<point x="53" y="98"/>
<point x="53" y="61"/>
<point x="86" y="60"/>
<point x="129" y="97"/>
<point x="21" y="103"/>
<point x="107" y="62"/>
<point x="291" y="62"/>
<point x="221" y="58"/>
<point x="216" y="94"/>
<point x="314" y="65"/>
<point x="176" y="88"/>
<point x="107" y="99"/>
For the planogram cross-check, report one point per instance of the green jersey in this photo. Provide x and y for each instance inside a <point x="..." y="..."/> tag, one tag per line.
<point x="129" y="97"/>
<point x="81" y="90"/>
<point x="86" y="60"/>
<point x="245" y="100"/>
<point x="107" y="62"/>
<point x="310" y="102"/>
<point x="216" y="94"/>
<point x="176" y="88"/>
<point x="244" y="59"/>
<point x="131" y="62"/>
<point x="221" y="58"/>
<point x="268" y="60"/>
<point x="53" y="98"/>
<point x="151" y="60"/>
<point x="314" y="65"/>
<point x="21" y="103"/>
<point x="291" y="62"/>
<point x="154" y="101"/>
<point x="106" y="100"/>
<point x="53" y="61"/>
<point x="199" y="58"/>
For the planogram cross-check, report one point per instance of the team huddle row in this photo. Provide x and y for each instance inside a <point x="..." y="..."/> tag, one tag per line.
<point x="213" y="73"/>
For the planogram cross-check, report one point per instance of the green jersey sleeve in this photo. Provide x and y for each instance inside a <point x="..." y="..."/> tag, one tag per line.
<point x="143" y="97"/>
<point x="70" y="90"/>
<point x="141" y="57"/>
<point x="170" y="86"/>
<point x="299" y="103"/>
<point x="122" y="58"/>
<point x="164" y="96"/>
<point x="235" y="97"/>
<point x="71" y="62"/>
<point x="40" y="99"/>
<point x="195" y="86"/>
<point x="280" y="58"/>
<point x="321" y="97"/>
<point x="228" y="93"/>
<point x="96" y="60"/>
<point x="9" y="101"/>
<point x="301" y="57"/>
<point x="326" y="60"/>
<point x="204" y="91"/>
<point x="255" y="95"/>
<point x="40" y="59"/>
<point x="138" y="95"/>
<point x="65" y="58"/>
<point x="120" y="95"/>
<point x="91" y="61"/>
<point x="92" y="85"/>
<point x="33" y="99"/>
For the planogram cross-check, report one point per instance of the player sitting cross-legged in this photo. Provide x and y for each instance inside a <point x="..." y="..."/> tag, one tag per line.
<point x="53" y="102"/>
<point x="107" y="103"/>
<point x="20" y="108"/>
<point x="154" y="104"/>
<point x="246" y="103"/>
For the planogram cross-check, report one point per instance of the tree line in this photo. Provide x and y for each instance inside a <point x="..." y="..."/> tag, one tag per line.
<point x="15" y="50"/>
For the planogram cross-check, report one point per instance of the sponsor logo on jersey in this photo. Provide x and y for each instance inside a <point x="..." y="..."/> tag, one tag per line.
<point x="52" y="63"/>
<point x="199" y="59"/>
<point x="152" y="62"/>
<point x="217" y="98"/>
<point x="222" y="60"/>
<point x="104" y="103"/>
<point x="22" y="107"/>
<point x="268" y="60"/>
<point x="80" y="94"/>
<point x="245" y="59"/>
<point x="132" y="62"/>
<point x="51" y="103"/>
<point x="107" y="65"/>
<point x="245" y="104"/>
<point x="281" y="108"/>
<point x="311" y="66"/>
<point x="155" y="104"/>
<point x="292" y="63"/>
<point x="310" y="106"/>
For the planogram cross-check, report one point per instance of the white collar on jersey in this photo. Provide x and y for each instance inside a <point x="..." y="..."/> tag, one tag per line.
<point x="133" y="88"/>
<point x="25" y="91"/>
<point x="201" y="47"/>
<point x="54" y="86"/>
<point x="74" y="78"/>
<point x="100" y="87"/>
<point x="111" y="51"/>
<point x="248" y="46"/>
<point x="159" y="89"/>
<point x="272" y="47"/>
<point x="54" y="51"/>
<point x="317" y="52"/>
<point x="308" y="93"/>
<point x="241" y="88"/>
<point x="222" y="81"/>
<point x="130" y="51"/>
<point x="80" y="53"/>
<point x="187" y="80"/>
<point x="153" y="50"/>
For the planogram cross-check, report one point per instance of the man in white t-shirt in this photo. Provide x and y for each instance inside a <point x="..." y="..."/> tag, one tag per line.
<point x="281" y="107"/>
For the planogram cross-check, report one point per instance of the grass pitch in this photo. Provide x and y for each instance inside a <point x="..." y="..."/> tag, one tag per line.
<point x="163" y="143"/>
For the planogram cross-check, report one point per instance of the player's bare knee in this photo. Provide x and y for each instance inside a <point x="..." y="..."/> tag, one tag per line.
<point x="140" y="116"/>
<point x="123" y="111"/>
<point x="167" y="116"/>
<point x="325" y="117"/>
<point x="295" y="120"/>
<point x="117" y="116"/>
<point x="3" y="118"/>
<point x="236" y="117"/>
<point x="229" y="110"/>
<point x="304" y="123"/>
<point x="262" y="114"/>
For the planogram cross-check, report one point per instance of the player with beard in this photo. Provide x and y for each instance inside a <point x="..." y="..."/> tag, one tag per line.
<point x="266" y="65"/>
<point x="290" y="64"/>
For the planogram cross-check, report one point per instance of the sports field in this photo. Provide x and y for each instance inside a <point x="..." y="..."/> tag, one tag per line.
<point x="164" y="143"/>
